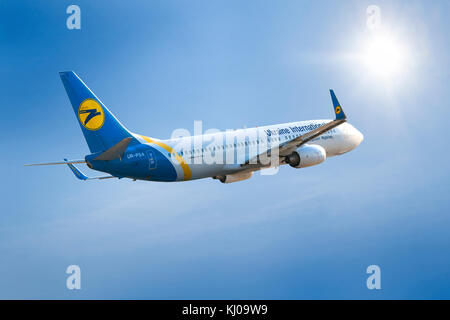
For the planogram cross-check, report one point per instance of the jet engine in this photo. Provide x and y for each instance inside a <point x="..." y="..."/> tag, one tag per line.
<point x="306" y="156"/>
<point x="235" y="177"/>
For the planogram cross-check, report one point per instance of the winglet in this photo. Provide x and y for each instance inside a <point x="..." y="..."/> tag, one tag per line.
<point x="338" y="111"/>
<point x="80" y="175"/>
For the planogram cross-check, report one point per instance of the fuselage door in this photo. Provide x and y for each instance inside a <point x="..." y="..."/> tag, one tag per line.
<point x="151" y="160"/>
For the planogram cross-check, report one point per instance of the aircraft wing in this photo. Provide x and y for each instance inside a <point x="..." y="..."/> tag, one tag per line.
<point x="286" y="147"/>
<point x="53" y="163"/>
<point x="80" y="175"/>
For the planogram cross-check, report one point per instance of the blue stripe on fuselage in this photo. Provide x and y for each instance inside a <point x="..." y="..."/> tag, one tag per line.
<point x="141" y="162"/>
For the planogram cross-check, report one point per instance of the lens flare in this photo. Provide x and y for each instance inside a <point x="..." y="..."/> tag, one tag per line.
<point x="385" y="56"/>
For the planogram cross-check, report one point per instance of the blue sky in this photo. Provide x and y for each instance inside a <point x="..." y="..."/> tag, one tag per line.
<point x="160" y="65"/>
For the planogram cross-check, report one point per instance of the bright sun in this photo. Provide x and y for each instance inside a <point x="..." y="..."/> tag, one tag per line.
<point x="385" y="56"/>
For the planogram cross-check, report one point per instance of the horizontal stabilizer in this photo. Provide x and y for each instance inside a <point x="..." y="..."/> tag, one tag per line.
<point x="116" y="151"/>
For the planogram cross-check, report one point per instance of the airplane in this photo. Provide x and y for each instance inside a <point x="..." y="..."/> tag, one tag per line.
<point x="228" y="156"/>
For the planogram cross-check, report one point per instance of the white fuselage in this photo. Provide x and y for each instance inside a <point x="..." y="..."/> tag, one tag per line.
<point x="224" y="152"/>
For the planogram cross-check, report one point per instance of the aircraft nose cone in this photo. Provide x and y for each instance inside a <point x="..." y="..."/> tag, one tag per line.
<point x="359" y="137"/>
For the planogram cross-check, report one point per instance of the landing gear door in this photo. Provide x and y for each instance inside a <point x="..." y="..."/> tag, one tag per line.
<point x="151" y="160"/>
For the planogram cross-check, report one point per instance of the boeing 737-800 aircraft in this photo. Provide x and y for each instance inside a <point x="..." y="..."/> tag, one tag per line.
<point x="228" y="156"/>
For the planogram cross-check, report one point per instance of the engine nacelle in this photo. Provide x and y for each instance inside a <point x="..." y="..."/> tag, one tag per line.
<point x="306" y="156"/>
<point x="229" y="178"/>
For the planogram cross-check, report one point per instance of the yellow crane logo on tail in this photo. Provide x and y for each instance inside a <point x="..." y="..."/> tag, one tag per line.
<point x="337" y="110"/>
<point x="91" y="114"/>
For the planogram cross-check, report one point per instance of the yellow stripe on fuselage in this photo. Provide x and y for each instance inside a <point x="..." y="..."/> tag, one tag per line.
<point x="186" y="170"/>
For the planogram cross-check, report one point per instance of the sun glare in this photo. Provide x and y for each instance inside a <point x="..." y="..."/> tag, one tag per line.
<point x="385" y="56"/>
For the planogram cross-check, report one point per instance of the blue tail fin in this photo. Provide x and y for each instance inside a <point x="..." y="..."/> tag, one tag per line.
<point x="100" y="128"/>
